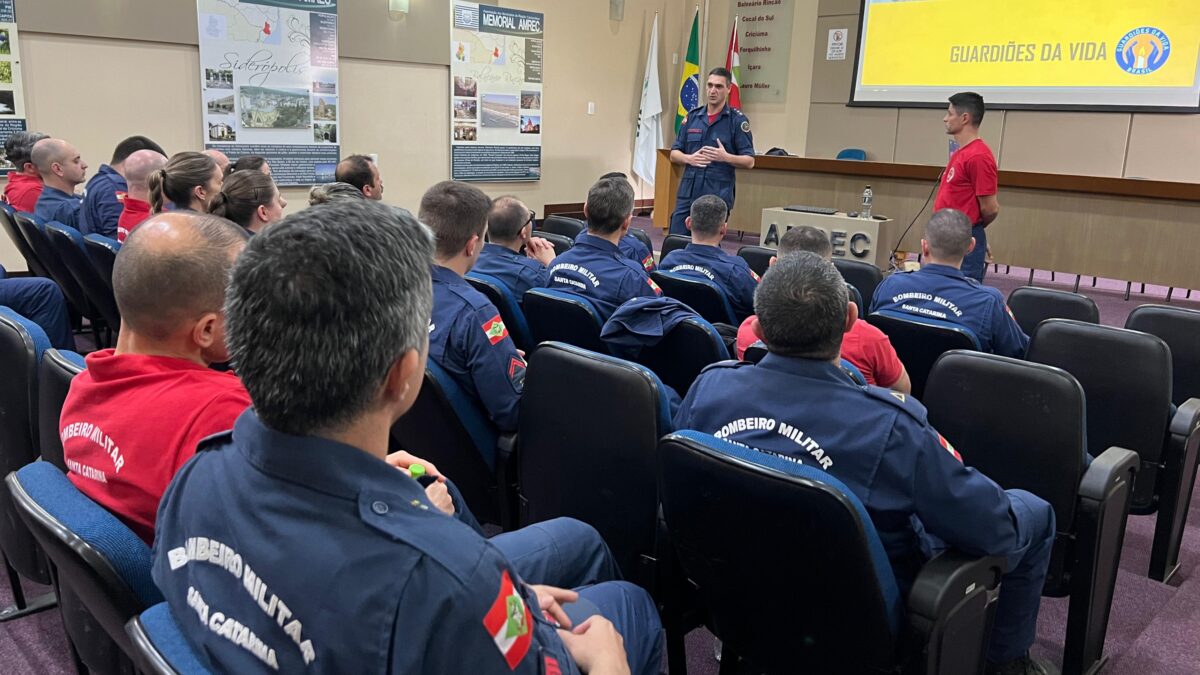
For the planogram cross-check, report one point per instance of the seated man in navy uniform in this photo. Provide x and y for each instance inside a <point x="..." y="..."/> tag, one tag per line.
<point x="510" y="228"/>
<point x="467" y="336"/>
<point x="704" y="259"/>
<point x="876" y="441"/>
<point x="631" y="247"/>
<point x="594" y="268"/>
<point x="296" y="543"/>
<point x="714" y="140"/>
<point x="62" y="170"/>
<point x="939" y="290"/>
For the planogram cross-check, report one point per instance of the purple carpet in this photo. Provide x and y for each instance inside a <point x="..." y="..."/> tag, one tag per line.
<point x="1153" y="629"/>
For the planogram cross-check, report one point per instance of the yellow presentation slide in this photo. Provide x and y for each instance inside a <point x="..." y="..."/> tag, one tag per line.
<point x="1051" y="53"/>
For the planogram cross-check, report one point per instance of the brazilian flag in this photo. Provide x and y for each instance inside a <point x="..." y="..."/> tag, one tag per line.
<point x="689" y="83"/>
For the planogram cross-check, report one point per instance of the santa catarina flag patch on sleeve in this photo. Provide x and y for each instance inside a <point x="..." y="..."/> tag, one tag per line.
<point x="949" y="448"/>
<point x="654" y="286"/>
<point x="494" y="329"/>
<point x="509" y="623"/>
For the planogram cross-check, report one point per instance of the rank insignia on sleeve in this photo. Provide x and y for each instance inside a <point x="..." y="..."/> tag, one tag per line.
<point x="509" y="623"/>
<point x="516" y="372"/>
<point x="495" y="330"/>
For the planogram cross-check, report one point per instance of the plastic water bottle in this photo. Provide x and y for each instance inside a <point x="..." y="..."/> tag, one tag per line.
<point x="868" y="197"/>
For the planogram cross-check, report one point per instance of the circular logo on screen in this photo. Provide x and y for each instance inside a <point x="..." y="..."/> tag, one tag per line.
<point x="1143" y="50"/>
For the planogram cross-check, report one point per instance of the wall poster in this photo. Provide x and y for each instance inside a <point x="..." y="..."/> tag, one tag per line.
<point x="12" y="97"/>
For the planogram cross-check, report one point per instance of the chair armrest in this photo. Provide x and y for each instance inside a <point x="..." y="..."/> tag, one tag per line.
<point x="944" y="581"/>
<point x="1186" y="418"/>
<point x="1106" y="470"/>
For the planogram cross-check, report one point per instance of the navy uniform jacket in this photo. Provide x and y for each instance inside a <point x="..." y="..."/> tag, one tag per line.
<point x="469" y="340"/>
<point x="104" y="202"/>
<point x="519" y="272"/>
<point x="56" y="206"/>
<point x="729" y="272"/>
<point x="595" y="269"/>
<point x="942" y="292"/>
<point x="631" y="247"/>
<point x="733" y="128"/>
<point x="876" y="441"/>
<point x="313" y="556"/>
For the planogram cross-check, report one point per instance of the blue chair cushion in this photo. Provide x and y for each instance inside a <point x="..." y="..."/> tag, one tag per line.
<point x="73" y="357"/>
<point x="36" y="335"/>
<point x="928" y="321"/>
<point x="89" y="521"/>
<point x="470" y="414"/>
<point x="879" y="559"/>
<point x="166" y="636"/>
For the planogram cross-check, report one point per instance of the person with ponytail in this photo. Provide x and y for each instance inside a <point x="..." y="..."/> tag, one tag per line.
<point x="190" y="180"/>
<point x="250" y="199"/>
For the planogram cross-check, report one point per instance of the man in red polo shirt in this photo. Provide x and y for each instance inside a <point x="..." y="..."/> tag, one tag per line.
<point x="136" y="204"/>
<point x="969" y="182"/>
<point x="864" y="345"/>
<point x="24" y="182"/>
<point x="135" y="415"/>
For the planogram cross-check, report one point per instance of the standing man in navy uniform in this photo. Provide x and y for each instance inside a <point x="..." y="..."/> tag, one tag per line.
<point x="799" y="404"/>
<point x="296" y="542"/>
<point x="714" y="140"/>
<point x="941" y="290"/>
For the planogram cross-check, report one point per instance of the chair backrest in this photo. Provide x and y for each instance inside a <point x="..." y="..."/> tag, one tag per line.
<point x="100" y="559"/>
<point x="55" y="373"/>
<point x="853" y="153"/>
<point x="757" y="257"/>
<point x="703" y="296"/>
<point x="563" y="317"/>
<point x="102" y="254"/>
<point x="1126" y="376"/>
<point x="159" y="647"/>
<point x="36" y="235"/>
<point x="1030" y="306"/>
<point x="1180" y="329"/>
<point x="834" y="605"/>
<point x="597" y="466"/>
<point x="9" y="223"/>
<point x="688" y="348"/>
<point x="449" y="427"/>
<point x="755" y="352"/>
<point x="856" y="298"/>
<point x="561" y="243"/>
<point x="861" y="275"/>
<point x="506" y="303"/>
<point x="673" y="242"/>
<point x="68" y="243"/>
<point x="567" y="227"/>
<point x="641" y="236"/>
<point x="22" y="344"/>
<point x="920" y="341"/>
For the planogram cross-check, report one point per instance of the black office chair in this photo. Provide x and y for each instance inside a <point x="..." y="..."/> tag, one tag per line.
<point x="920" y="341"/>
<point x="834" y="605"/>
<point x="9" y="223"/>
<point x="1030" y="306"/>
<point x="758" y="257"/>
<point x="597" y="467"/>
<point x="449" y="427"/>
<point x="557" y="316"/>
<point x="861" y="275"/>
<point x="39" y="241"/>
<point x="1180" y="329"/>
<point x="673" y="242"/>
<point x="641" y="236"/>
<point x="857" y="299"/>
<point x="703" y="296"/>
<point x="68" y="244"/>
<point x="755" y="352"/>
<point x="567" y="227"/>
<point x="688" y="348"/>
<point x="1126" y="376"/>
<point x="102" y="253"/>
<point x="22" y="344"/>
<point x="1024" y="426"/>
<point x="55" y="373"/>
<point x="561" y="243"/>
<point x="506" y="303"/>
<point x="159" y="645"/>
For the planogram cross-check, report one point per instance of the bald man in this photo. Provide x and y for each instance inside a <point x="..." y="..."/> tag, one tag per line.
<point x="218" y="157"/>
<point x="136" y="414"/>
<point x="105" y="193"/>
<point x="62" y="170"/>
<point x="136" y="209"/>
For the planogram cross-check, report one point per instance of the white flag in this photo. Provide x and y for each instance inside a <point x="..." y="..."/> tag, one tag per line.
<point x="649" y="129"/>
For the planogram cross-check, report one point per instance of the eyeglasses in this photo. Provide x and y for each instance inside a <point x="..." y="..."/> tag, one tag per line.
<point x="532" y="215"/>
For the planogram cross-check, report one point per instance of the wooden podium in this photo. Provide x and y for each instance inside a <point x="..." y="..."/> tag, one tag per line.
<point x="865" y="239"/>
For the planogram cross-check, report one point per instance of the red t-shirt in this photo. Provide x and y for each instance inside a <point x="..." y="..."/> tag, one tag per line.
<point x="22" y="191"/>
<point x="970" y="174"/>
<point x="131" y="420"/>
<point x="864" y="345"/>
<point x="132" y="215"/>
